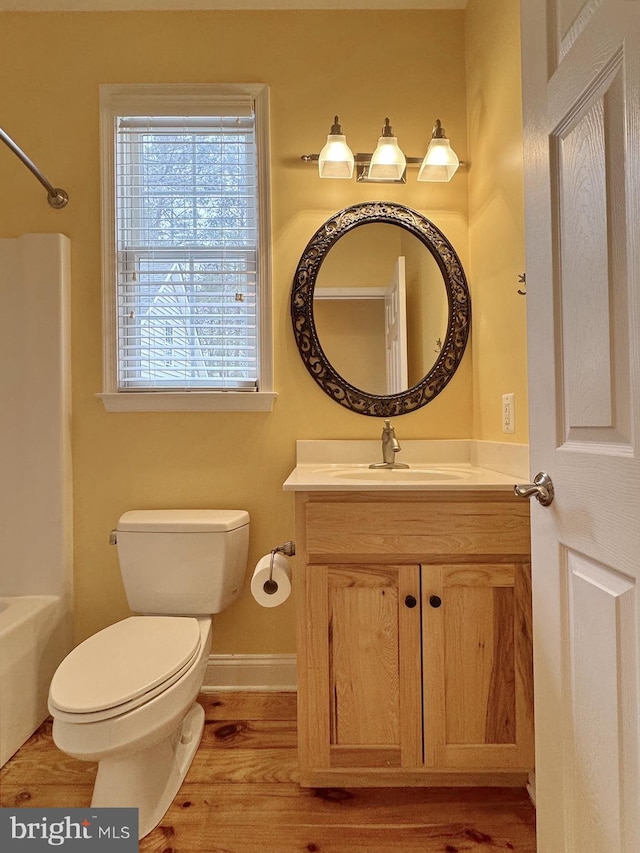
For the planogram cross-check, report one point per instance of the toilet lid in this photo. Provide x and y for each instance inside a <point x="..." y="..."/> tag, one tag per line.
<point x="123" y="662"/>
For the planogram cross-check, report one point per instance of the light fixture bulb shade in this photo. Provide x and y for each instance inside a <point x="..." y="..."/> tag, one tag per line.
<point x="440" y="162"/>
<point x="387" y="162"/>
<point x="336" y="158"/>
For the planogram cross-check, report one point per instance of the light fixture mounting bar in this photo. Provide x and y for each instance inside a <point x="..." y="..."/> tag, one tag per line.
<point x="359" y="159"/>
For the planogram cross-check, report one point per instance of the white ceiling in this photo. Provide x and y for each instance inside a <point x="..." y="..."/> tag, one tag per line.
<point x="148" y="5"/>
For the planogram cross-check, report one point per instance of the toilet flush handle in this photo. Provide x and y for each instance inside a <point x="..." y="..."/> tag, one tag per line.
<point x="113" y="537"/>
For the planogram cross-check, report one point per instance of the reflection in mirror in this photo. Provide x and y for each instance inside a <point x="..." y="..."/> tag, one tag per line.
<point x="380" y="308"/>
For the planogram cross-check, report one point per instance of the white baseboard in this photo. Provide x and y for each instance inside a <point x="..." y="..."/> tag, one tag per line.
<point x="276" y="673"/>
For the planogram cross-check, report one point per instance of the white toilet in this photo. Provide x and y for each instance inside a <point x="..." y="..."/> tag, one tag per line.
<point x="126" y="696"/>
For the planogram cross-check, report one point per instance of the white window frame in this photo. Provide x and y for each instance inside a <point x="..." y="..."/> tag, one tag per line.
<point x="168" y="99"/>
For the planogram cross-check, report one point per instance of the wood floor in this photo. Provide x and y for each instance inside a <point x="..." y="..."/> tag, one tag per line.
<point x="241" y="796"/>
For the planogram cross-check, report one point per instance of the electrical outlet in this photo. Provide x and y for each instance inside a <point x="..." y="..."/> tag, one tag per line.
<point x="508" y="413"/>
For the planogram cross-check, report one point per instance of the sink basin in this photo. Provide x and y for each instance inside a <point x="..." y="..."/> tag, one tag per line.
<point x="343" y="475"/>
<point x="435" y="466"/>
<point x="395" y="475"/>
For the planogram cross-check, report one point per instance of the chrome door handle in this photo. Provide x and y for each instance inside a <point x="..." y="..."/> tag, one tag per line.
<point x="542" y="488"/>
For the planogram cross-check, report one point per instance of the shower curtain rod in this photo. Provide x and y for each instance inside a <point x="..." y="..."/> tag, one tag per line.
<point x="55" y="196"/>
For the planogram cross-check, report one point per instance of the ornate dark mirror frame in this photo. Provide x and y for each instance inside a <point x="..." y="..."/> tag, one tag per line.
<point x="304" y="327"/>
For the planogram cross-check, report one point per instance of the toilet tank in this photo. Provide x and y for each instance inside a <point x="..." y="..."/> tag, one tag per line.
<point x="176" y="561"/>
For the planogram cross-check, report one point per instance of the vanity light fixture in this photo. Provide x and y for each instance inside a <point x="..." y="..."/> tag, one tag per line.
<point x="441" y="161"/>
<point x="387" y="164"/>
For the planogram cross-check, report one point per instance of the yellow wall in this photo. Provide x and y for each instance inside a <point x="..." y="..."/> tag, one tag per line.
<point x="352" y="335"/>
<point x="361" y="65"/>
<point x="496" y="217"/>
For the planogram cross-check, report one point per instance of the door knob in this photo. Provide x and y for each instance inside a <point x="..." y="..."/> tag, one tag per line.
<point x="541" y="488"/>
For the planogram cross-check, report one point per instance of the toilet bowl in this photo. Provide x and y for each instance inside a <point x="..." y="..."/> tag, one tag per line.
<point x="125" y="697"/>
<point x="145" y="744"/>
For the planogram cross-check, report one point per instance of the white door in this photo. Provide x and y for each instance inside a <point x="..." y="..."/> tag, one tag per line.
<point x="395" y="330"/>
<point x="581" y="100"/>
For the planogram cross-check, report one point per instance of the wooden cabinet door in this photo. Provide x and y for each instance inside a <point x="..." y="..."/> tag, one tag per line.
<point x="364" y="668"/>
<point x="478" y="679"/>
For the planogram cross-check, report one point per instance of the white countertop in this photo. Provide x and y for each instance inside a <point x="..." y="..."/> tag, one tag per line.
<point x="433" y="465"/>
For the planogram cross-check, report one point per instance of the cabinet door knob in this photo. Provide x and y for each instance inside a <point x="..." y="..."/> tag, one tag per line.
<point x="435" y="600"/>
<point x="411" y="601"/>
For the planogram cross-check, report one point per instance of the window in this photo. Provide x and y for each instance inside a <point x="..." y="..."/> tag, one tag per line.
<point x="186" y="258"/>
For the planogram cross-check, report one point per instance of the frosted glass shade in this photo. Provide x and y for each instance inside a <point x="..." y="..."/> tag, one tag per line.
<point x="440" y="162"/>
<point x="336" y="158"/>
<point x="388" y="162"/>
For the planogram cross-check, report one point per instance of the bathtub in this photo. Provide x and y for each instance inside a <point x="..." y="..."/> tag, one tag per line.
<point x="33" y="640"/>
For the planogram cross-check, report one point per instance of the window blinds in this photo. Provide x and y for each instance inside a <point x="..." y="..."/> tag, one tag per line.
<point x="187" y="247"/>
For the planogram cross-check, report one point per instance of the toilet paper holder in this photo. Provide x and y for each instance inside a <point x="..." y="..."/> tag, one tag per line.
<point x="287" y="548"/>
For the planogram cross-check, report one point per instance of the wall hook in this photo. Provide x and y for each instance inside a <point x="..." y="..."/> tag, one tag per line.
<point x="522" y="279"/>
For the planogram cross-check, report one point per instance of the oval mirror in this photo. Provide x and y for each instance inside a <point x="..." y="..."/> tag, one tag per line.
<point x="381" y="314"/>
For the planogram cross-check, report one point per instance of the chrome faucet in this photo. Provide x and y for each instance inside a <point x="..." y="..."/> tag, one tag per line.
<point x="390" y="446"/>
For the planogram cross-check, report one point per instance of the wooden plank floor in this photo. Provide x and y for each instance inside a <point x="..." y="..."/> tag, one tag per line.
<point x="241" y="796"/>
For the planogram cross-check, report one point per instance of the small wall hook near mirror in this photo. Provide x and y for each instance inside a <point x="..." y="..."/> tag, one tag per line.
<point x="522" y="279"/>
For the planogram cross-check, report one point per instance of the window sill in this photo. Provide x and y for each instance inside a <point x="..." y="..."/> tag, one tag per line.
<point x="189" y="401"/>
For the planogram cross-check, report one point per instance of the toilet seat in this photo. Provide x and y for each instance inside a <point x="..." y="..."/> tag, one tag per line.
<point x="124" y="666"/>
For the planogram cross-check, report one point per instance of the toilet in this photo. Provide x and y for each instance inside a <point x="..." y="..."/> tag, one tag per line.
<point x="125" y="697"/>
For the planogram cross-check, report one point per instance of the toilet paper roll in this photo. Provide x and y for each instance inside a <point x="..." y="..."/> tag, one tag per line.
<point x="271" y="592"/>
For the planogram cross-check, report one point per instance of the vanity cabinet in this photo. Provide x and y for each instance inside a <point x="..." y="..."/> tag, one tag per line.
<point x="414" y="638"/>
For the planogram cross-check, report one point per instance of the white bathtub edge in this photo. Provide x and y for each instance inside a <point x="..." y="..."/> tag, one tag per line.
<point x="34" y="638"/>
